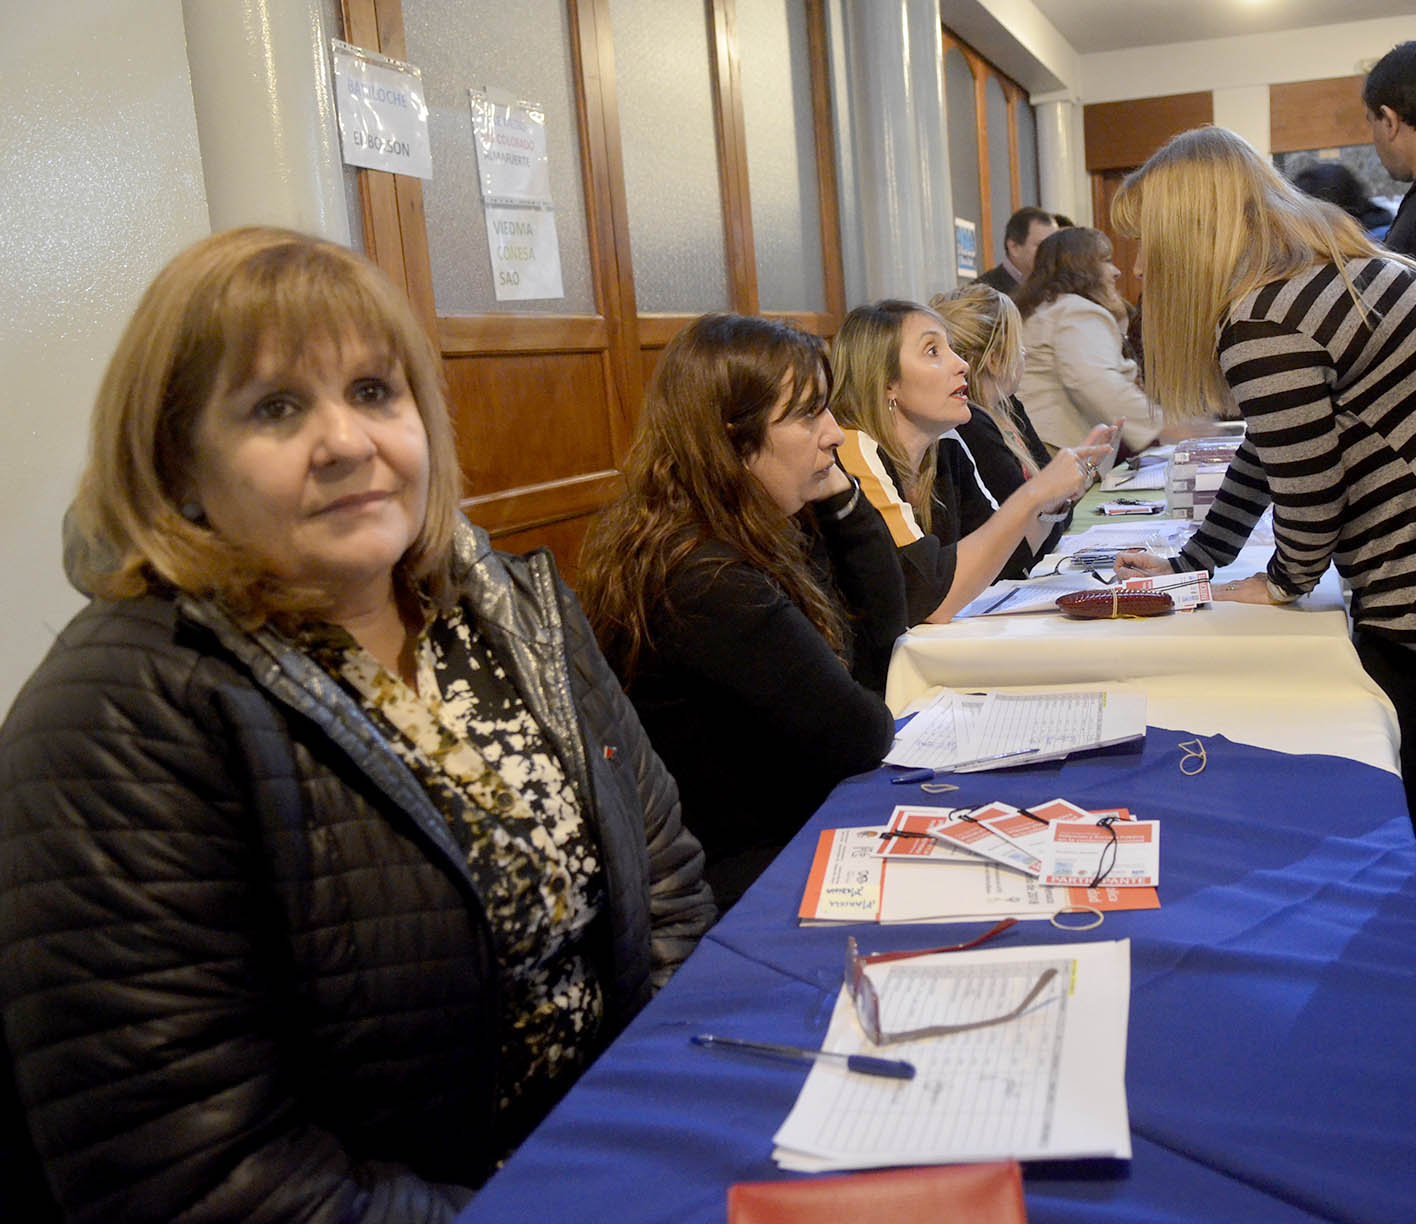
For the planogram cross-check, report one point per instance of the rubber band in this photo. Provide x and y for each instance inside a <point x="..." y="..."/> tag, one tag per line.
<point x="1194" y="750"/>
<point x="937" y="788"/>
<point x="1077" y="909"/>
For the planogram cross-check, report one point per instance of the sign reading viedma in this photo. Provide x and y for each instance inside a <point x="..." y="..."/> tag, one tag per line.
<point x="383" y="119"/>
<point x="514" y="167"/>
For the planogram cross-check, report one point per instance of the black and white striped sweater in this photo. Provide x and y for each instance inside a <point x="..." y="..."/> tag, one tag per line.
<point x="1330" y="403"/>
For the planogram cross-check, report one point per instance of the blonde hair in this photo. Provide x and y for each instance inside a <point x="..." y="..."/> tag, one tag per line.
<point x="866" y="359"/>
<point x="1217" y="222"/>
<point x="986" y="330"/>
<point x="200" y="326"/>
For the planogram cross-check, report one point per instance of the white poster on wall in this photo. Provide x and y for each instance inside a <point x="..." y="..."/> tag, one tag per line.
<point x="965" y="248"/>
<point x="515" y="172"/>
<point x="383" y="119"/>
<point x="511" y="147"/>
<point x="525" y="253"/>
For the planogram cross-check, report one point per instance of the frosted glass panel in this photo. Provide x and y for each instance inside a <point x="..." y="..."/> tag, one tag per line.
<point x="458" y="46"/>
<point x="1000" y="178"/>
<point x="1027" y="154"/>
<point x="963" y="140"/>
<point x="670" y="153"/>
<point x="781" y="154"/>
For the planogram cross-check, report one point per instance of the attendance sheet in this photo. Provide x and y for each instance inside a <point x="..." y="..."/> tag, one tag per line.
<point x="962" y="735"/>
<point x="1047" y="1085"/>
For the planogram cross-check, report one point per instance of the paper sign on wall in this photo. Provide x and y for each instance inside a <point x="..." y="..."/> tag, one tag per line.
<point x="965" y="248"/>
<point x="511" y="148"/>
<point x="514" y="168"/>
<point x="383" y="120"/>
<point x="525" y="253"/>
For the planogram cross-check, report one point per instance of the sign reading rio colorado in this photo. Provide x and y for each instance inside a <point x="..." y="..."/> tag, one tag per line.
<point x="516" y="196"/>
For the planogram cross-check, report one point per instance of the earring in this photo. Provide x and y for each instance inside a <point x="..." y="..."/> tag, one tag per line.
<point x="192" y="512"/>
<point x="892" y="403"/>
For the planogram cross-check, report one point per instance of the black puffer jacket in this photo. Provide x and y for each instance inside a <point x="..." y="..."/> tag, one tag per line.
<point x="244" y="971"/>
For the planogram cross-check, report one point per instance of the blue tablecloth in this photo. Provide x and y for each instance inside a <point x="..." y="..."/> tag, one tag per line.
<point x="1271" y="1063"/>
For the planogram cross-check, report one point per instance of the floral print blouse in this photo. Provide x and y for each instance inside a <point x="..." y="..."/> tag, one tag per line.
<point x="470" y="740"/>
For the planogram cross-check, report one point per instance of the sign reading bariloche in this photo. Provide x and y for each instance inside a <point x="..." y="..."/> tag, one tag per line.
<point x="383" y="119"/>
<point x="510" y="136"/>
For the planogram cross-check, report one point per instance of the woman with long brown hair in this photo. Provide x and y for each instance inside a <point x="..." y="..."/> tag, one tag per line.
<point x="1260" y="297"/>
<point x="1077" y="374"/>
<point x="744" y="590"/>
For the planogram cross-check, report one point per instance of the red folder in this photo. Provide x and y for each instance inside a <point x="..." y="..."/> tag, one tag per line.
<point x="960" y="1194"/>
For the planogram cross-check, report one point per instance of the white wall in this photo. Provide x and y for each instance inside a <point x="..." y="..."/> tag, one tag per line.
<point x="100" y="184"/>
<point x="1254" y="59"/>
<point x="1018" y="38"/>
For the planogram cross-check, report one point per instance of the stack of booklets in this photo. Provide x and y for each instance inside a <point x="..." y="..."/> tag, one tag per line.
<point x="1195" y="472"/>
<point x="929" y="865"/>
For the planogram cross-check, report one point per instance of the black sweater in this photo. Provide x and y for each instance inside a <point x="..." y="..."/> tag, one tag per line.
<point x="1002" y="474"/>
<point x="744" y="700"/>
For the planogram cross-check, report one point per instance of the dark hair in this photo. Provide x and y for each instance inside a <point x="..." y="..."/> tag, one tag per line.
<point x="1020" y="225"/>
<point x="1335" y="183"/>
<point x="706" y="412"/>
<point x="1063" y="221"/>
<point x="1069" y="261"/>
<point x="1392" y="82"/>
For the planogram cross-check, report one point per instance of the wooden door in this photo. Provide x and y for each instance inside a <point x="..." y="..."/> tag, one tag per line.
<point x="1124" y="250"/>
<point x="544" y="404"/>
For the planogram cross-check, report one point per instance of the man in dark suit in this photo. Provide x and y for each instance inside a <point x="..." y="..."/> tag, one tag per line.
<point x="1390" y="97"/>
<point x="1025" y="229"/>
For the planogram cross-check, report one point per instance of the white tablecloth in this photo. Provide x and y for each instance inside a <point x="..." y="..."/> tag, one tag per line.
<point x="1285" y="678"/>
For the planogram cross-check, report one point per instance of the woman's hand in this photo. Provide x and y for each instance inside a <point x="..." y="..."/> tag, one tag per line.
<point x="1064" y="479"/>
<point x="1251" y="590"/>
<point x="1098" y="445"/>
<point x="833" y="482"/>
<point x="1137" y="563"/>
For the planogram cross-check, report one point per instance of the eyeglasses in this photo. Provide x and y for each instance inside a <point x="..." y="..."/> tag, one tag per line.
<point x="867" y="999"/>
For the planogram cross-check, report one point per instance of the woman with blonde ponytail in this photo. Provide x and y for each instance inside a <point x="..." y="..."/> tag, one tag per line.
<point x="986" y="330"/>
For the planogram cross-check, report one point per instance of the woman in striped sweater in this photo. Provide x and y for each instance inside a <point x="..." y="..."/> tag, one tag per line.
<point x="1280" y="305"/>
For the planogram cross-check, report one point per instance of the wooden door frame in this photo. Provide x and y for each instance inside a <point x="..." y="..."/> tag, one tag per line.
<point x="1014" y="95"/>
<point x="395" y="237"/>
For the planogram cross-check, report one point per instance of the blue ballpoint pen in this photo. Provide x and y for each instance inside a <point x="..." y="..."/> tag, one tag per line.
<point x="925" y="775"/>
<point x="914" y="775"/>
<point x="889" y="1068"/>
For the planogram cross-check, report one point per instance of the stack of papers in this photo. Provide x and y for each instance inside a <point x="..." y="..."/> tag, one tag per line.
<point x="851" y="882"/>
<point x="958" y="733"/>
<point x="1056" y="842"/>
<point x="1047" y="1085"/>
<point x="1158" y="537"/>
